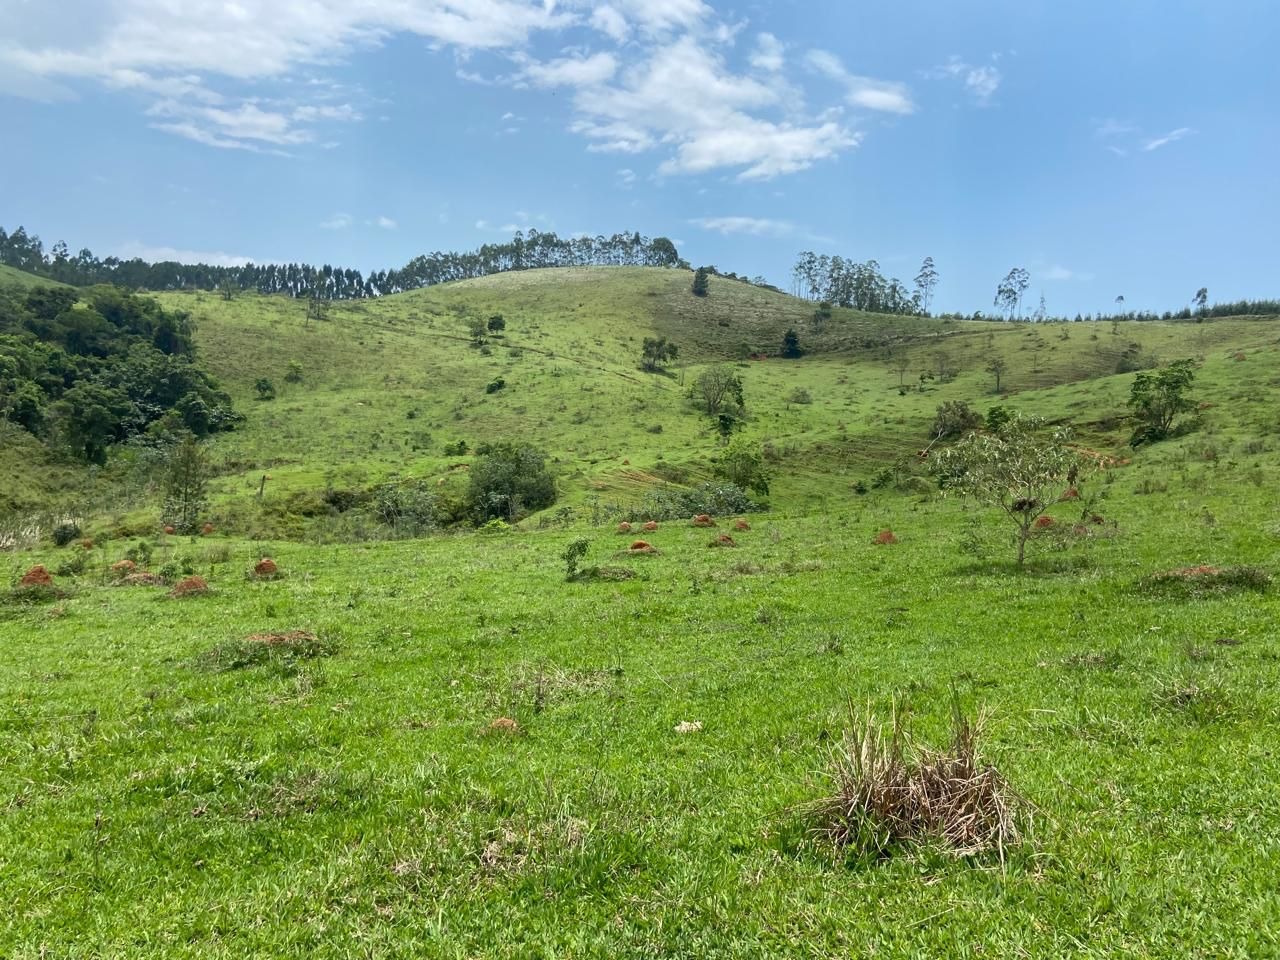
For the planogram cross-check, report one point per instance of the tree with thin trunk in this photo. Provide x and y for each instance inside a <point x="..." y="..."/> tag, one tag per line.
<point x="1201" y="300"/>
<point x="1010" y="291"/>
<point x="997" y="367"/>
<point x="900" y="366"/>
<point x="926" y="280"/>
<point x="1021" y="468"/>
<point x="186" y="479"/>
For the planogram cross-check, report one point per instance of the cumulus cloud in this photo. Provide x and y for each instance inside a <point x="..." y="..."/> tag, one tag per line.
<point x="243" y="75"/>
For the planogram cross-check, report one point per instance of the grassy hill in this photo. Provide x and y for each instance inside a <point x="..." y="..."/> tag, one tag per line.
<point x="309" y="764"/>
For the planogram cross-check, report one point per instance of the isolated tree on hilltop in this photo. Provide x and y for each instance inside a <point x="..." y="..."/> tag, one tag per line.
<point x="1201" y="299"/>
<point x="926" y="280"/>
<point x="1010" y="291"/>
<point x="700" y="282"/>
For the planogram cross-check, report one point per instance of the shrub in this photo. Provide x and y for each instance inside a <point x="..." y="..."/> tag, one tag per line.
<point x="493" y="386"/>
<point x="954" y="419"/>
<point x="573" y="555"/>
<point x="800" y="395"/>
<point x="266" y="389"/>
<point x="65" y="532"/>
<point x="294" y="373"/>
<point x="406" y="506"/>
<point x="674" y="503"/>
<point x="742" y="464"/>
<point x="889" y="792"/>
<point x="508" y="480"/>
<point x="456" y="449"/>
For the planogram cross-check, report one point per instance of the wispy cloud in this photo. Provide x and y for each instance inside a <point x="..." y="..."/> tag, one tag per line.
<point x="161" y="254"/>
<point x="339" y="221"/>
<point x="981" y="81"/>
<point x="385" y="223"/>
<point x="751" y="226"/>
<point x="870" y="94"/>
<point x="1171" y="137"/>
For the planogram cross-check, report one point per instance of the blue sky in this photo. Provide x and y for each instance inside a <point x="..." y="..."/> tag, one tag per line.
<point x="1120" y="147"/>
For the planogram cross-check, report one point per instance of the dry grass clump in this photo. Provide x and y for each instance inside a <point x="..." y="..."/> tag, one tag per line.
<point x="282" y="648"/>
<point x="890" y="792"/>
<point x="142" y="579"/>
<point x="1206" y="579"/>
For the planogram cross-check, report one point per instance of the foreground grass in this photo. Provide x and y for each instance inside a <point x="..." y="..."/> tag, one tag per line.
<point x="154" y="802"/>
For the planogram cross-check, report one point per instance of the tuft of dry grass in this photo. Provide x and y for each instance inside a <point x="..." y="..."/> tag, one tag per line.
<point x="890" y="791"/>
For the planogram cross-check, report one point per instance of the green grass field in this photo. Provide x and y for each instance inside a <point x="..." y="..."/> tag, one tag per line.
<point x="170" y="788"/>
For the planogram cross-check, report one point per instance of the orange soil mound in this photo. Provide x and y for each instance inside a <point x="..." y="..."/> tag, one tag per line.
<point x="1042" y="522"/>
<point x="504" y="725"/>
<point x="122" y="568"/>
<point x="651" y="526"/>
<point x="741" y="525"/>
<point x="884" y="538"/>
<point x="643" y="546"/>
<point x="206" y="529"/>
<point x="37" y="576"/>
<point x="266" y="567"/>
<point x="624" y="527"/>
<point x="703" y="520"/>
<point x="190" y="587"/>
<point x="724" y="540"/>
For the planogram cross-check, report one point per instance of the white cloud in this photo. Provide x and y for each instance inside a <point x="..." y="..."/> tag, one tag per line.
<point x="768" y="53"/>
<point x="339" y="221"/>
<point x="571" y="71"/>
<point x="866" y="92"/>
<point x="1111" y="127"/>
<point x="683" y="96"/>
<point x="752" y="226"/>
<point x="609" y="21"/>
<point x="1171" y="137"/>
<point x="626" y="177"/>
<point x="980" y="82"/>
<point x="161" y="254"/>
<point x="169" y="50"/>
<point x="386" y="223"/>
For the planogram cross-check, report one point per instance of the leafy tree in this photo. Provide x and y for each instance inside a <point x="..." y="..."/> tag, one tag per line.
<point x="997" y="366"/>
<point x="93" y="417"/>
<point x="1010" y="290"/>
<point x="926" y="280"/>
<point x="821" y="317"/>
<point x="497" y="323"/>
<point x="1201" y="300"/>
<point x="227" y="289"/>
<point x="700" y="282"/>
<point x="266" y="389"/>
<point x="507" y="480"/>
<point x="656" y="352"/>
<point x="186" y="480"/>
<point x="953" y="419"/>
<point x="293" y="374"/>
<point x="791" y="345"/>
<point x="1020" y="468"/>
<point x="1158" y="398"/>
<point x="718" y="389"/>
<point x="742" y="464"/>
<point x="476" y="330"/>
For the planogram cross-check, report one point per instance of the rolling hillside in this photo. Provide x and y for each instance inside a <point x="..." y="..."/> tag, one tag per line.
<point x="387" y="384"/>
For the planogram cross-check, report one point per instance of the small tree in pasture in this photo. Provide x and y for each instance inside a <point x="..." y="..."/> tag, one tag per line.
<point x="718" y="390"/>
<point x="997" y="367"/>
<point x="1019" y="468"/>
<point x="186" y="479"/>
<point x="1157" y="398"/>
<point x="742" y="464"/>
<point x="656" y="353"/>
